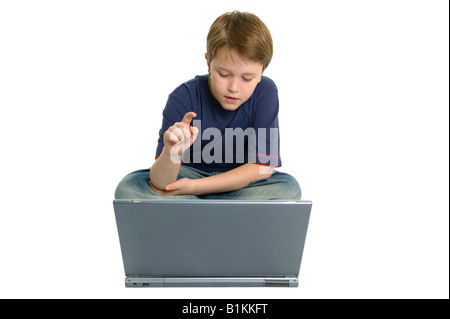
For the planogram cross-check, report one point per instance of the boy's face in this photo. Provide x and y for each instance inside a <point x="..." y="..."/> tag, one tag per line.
<point x="233" y="78"/>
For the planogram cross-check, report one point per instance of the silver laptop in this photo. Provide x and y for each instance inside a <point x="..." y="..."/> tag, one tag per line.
<point x="207" y="243"/>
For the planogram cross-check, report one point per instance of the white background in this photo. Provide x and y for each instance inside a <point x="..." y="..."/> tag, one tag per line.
<point x="364" y="106"/>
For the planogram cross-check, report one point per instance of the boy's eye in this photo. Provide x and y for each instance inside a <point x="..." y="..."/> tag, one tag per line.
<point x="223" y="75"/>
<point x="246" y="80"/>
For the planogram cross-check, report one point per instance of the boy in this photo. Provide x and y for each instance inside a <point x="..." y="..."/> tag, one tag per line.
<point x="219" y="136"/>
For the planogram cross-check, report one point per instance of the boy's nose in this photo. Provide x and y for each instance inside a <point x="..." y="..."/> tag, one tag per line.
<point x="232" y="86"/>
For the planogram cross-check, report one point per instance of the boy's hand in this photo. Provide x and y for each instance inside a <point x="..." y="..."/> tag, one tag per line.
<point x="183" y="186"/>
<point x="180" y="136"/>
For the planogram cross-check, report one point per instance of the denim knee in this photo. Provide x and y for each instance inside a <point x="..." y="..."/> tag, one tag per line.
<point x="124" y="189"/>
<point x="288" y="185"/>
<point x="133" y="185"/>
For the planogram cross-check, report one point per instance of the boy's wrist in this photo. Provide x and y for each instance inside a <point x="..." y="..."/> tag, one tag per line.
<point x="195" y="186"/>
<point x="168" y="154"/>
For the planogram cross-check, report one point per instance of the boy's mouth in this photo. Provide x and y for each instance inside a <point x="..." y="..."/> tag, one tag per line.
<point x="231" y="99"/>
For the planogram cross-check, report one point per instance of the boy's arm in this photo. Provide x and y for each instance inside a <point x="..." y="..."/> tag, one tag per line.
<point x="234" y="179"/>
<point x="178" y="138"/>
<point x="164" y="171"/>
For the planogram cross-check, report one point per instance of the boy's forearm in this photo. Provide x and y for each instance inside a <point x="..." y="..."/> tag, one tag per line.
<point x="164" y="171"/>
<point x="234" y="179"/>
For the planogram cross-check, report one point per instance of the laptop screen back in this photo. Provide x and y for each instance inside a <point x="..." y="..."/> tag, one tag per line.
<point x="211" y="237"/>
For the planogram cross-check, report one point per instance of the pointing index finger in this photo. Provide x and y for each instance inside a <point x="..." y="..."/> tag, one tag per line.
<point x="188" y="117"/>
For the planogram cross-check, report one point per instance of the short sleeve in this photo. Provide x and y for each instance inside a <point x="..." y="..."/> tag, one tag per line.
<point x="173" y="112"/>
<point x="265" y="148"/>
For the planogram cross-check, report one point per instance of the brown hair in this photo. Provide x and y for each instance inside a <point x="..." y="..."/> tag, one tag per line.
<point x="243" y="33"/>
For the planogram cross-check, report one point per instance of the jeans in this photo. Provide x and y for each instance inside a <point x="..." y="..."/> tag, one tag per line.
<point x="280" y="186"/>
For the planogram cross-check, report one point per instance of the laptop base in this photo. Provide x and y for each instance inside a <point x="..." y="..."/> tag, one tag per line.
<point x="142" y="282"/>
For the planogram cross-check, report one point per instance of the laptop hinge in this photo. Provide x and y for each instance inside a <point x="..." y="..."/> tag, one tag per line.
<point x="138" y="281"/>
<point x="281" y="282"/>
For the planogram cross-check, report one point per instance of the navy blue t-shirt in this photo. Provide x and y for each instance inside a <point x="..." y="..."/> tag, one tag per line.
<point x="227" y="139"/>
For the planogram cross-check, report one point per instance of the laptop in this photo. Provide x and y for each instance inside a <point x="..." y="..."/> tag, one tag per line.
<point x="211" y="243"/>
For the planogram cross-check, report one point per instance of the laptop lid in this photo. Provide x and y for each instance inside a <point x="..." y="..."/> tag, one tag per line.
<point x="211" y="238"/>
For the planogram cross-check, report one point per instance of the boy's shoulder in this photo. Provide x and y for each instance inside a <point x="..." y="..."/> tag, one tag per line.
<point x="267" y="84"/>
<point x="191" y="85"/>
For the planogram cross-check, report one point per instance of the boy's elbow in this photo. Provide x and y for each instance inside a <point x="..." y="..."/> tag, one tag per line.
<point x="156" y="186"/>
<point x="156" y="182"/>
<point x="265" y="171"/>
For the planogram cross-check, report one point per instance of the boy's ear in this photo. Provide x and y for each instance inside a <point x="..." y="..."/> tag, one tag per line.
<point x="208" y="63"/>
